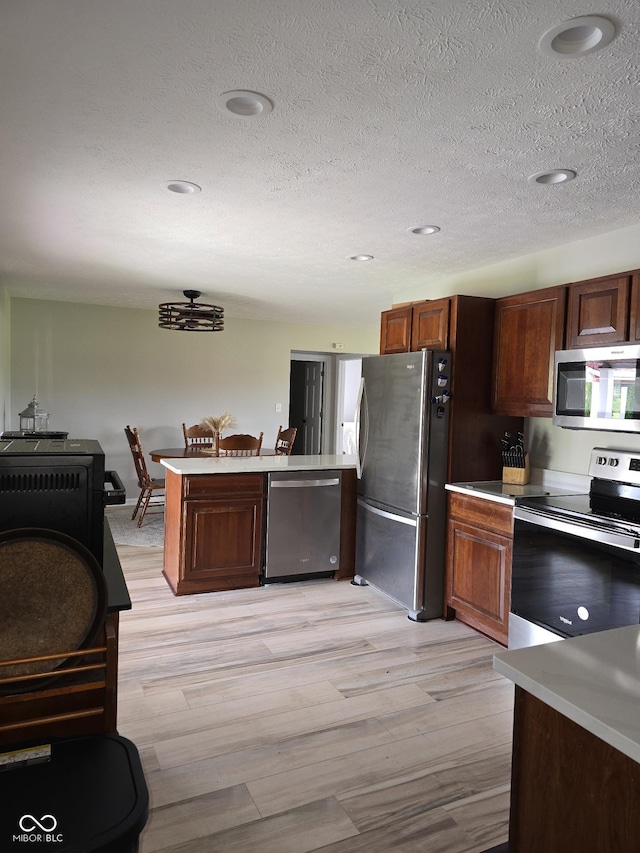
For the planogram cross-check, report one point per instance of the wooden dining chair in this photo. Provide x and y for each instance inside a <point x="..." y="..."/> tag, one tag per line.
<point x="148" y="485"/>
<point x="197" y="436"/>
<point x="240" y="445"/>
<point x="284" y="441"/>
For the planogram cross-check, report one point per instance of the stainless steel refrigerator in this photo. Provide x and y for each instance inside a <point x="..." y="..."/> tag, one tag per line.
<point x="402" y="454"/>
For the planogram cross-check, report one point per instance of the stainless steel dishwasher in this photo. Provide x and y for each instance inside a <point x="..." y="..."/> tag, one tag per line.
<point x="303" y="523"/>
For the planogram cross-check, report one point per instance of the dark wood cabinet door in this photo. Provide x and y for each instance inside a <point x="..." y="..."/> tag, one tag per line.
<point x="478" y="564"/>
<point x="570" y="790"/>
<point x="598" y="311"/>
<point x="634" y="308"/>
<point x="213" y="531"/>
<point x="224" y="543"/>
<point x="529" y="328"/>
<point x="430" y="325"/>
<point x="395" y="330"/>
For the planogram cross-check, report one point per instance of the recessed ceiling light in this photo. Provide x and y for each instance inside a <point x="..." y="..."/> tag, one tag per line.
<point x="555" y="176"/>
<point x="424" y="229"/>
<point x="577" y="37"/>
<point x="182" y="187"/>
<point x="243" y="103"/>
<point x="360" y="257"/>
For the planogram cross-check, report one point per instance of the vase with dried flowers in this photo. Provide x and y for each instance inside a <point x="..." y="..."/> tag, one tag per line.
<point x="216" y="425"/>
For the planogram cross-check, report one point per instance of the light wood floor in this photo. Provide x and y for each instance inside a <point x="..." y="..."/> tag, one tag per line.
<point x="310" y="716"/>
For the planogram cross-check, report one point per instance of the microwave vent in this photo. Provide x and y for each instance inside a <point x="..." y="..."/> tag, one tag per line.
<point x="40" y="481"/>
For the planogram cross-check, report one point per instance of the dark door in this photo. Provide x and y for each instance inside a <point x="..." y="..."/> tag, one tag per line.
<point x="305" y="405"/>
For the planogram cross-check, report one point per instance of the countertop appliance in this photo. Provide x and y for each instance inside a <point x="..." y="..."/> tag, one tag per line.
<point x="402" y="450"/>
<point x="598" y="388"/>
<point x="303" y="524"/>
<point x="58" y="484"/>
<point x="576" y="558"/>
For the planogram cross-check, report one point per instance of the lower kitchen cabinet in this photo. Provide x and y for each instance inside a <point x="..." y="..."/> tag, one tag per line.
<point x="569" y="789"/>
<point x="478" y="563"/>
<point x="213" y="531"/>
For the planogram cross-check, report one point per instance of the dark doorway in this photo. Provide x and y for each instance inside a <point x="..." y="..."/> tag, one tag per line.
<point x="305" y="406"/>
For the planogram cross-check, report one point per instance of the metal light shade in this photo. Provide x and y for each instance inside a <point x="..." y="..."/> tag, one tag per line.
<point x="33" y="418"/>
<point x="191" y="317"/>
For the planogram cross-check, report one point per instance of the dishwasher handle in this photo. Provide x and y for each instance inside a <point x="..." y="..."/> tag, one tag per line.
<point x="303" y="484"/>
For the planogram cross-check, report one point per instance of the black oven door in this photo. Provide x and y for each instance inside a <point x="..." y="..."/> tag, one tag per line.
<point x="566" y="582"/>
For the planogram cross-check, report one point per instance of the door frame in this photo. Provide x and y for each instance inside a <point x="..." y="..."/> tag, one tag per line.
<point x="327" y="440"/>
<point x="332" y="388"/>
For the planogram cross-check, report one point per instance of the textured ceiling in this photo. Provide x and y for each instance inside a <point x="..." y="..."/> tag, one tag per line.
<point x="386" y="116"/>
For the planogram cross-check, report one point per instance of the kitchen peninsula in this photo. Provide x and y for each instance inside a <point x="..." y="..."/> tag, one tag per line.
<point x="576" y="743"/>
<point x="215" y="518"/>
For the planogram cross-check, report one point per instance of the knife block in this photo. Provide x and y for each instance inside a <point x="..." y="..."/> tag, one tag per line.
<point x="517" y="476"/>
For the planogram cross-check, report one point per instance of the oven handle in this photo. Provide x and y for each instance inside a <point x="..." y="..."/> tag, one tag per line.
<point x="576" y="528"/>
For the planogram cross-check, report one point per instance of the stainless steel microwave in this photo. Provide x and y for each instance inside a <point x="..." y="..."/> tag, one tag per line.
<point x="598" y="388"/>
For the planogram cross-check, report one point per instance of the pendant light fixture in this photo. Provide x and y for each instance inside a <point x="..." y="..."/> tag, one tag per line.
<point x="191" y="317"/>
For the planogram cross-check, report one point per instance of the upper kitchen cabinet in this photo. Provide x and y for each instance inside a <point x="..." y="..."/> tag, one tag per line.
<point x="430" y="324"/>
<point x="598" y="311"/>
<point x="395" y="330"/>
<point x="634" y="309"/>
<point x="421" y="325"/>
<point x="529" y="328"/>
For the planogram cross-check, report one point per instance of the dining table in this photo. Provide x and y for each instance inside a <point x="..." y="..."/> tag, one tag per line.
<point x="195" y="452"/>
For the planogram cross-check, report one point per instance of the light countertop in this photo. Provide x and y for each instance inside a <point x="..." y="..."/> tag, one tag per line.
<point x="496" y="490"/>
<point x="593" y="680"/>
<point x="259" y="464"/>
<point x="543" y="483"/>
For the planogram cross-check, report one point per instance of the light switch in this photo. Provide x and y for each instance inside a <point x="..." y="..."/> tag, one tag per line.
<point x="278" y="407"/>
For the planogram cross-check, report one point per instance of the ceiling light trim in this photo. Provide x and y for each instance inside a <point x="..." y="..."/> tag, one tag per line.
<point x="552" y="177"/>
<point x="577" y="37"/>
<point x="360" y="257"/>
<point x="424" y="229"/>
<point x="245" y="104"/>
<point x="182" y="187"/>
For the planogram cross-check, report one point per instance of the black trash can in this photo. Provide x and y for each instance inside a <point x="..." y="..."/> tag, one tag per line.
<point x="90" y="796"/>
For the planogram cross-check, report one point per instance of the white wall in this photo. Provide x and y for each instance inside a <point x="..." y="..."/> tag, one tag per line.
<point x="550" y="447"/>
<point x="96" y="369"/>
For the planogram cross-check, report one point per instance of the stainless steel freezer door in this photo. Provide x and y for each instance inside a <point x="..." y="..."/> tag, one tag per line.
<point x="303" y="523"/>
<point x="393" y="438"/>
<point x="390" y="556"/>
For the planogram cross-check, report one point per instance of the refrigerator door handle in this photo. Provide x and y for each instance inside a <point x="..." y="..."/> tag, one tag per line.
<point x="360" y="451"/>
<point x="412" y="522"/>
